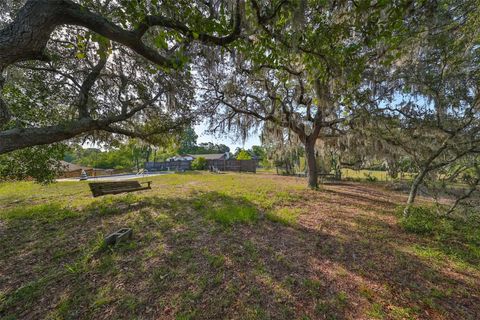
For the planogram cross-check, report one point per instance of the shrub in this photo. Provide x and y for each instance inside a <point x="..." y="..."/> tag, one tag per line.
<point x="42" y="163"/>
<point x="199" y="163"/>
<point x="421" y="220"/>
<point x="455" y="236"/>
<point x="244" y="155"/>
<point x="370" y="177"/>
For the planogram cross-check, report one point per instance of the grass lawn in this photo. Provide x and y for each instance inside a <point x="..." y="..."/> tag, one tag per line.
<point x="372" y="175"/>
<point x="231" y="246"/>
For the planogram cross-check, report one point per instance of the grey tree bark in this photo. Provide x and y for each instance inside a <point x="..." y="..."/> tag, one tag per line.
<point x="414" y="190"/>
<point x="311" y="163"/>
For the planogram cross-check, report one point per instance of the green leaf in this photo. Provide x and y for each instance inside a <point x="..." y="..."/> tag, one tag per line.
<point x="161" y="41"/>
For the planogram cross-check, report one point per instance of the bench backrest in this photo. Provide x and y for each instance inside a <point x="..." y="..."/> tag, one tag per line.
<point x="101" y="188"/>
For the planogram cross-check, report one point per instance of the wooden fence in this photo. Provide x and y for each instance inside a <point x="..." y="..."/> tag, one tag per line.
<point x="233" y="165"/>
<point x="221" y="165"/>
<point x="181" y="165"/>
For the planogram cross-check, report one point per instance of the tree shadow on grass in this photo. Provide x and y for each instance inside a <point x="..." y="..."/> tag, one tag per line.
<point x="373" y="198"/>
<point x="213" y="256"/>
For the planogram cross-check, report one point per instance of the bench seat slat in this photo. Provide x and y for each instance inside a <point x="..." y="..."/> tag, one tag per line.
<point x="115" y="187"/>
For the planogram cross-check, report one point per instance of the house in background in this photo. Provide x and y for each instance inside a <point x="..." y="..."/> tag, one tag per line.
<point x="72" y="170"/>
<point x="212" y="156"/>
<point x="183" y="162"/>
<point x="191" y="157"/>
<point x="182" y="157"/>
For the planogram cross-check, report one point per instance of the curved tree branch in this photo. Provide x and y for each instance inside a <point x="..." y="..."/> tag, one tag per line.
<point x="19" y="138"/>
<point x="26" y="37"/>
<point x="87" y="85"/>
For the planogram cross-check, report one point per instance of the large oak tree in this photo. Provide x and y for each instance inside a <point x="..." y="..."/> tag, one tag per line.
<point x="307" y="67"/>
<point x="109" y="65"/>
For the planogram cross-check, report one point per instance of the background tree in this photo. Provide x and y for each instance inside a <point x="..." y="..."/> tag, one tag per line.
<point x="115" y="158"/>
<point x="209" y="147"/>
<point x="258" y="152"/>
<point x="433" y="112"/>
<point x="243" y="155"/>
<point x="188" y="142"/>
<point x="41" y="163"/>
<point x="306" y="68"/>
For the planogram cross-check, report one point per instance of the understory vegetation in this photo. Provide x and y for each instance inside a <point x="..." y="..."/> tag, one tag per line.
<point x="237" y="246"/>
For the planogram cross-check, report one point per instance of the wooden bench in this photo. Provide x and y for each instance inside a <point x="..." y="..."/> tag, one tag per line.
<point x="324" y="176"/>
<point x="115" y="187"/>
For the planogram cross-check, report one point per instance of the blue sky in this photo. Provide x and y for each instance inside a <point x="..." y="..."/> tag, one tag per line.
<point x="229" y="140"/>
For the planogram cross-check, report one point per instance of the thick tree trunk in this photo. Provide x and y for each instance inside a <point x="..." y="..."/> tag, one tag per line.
<point x="311" y="164"/>
<point x="288" y="167"/>
<point x="147" y="156"/>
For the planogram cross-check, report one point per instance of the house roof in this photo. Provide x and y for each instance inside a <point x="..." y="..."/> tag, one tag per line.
<point x="181" y="157"/>
<point x="211" y="156"/>
<point x="67" y="166"/>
